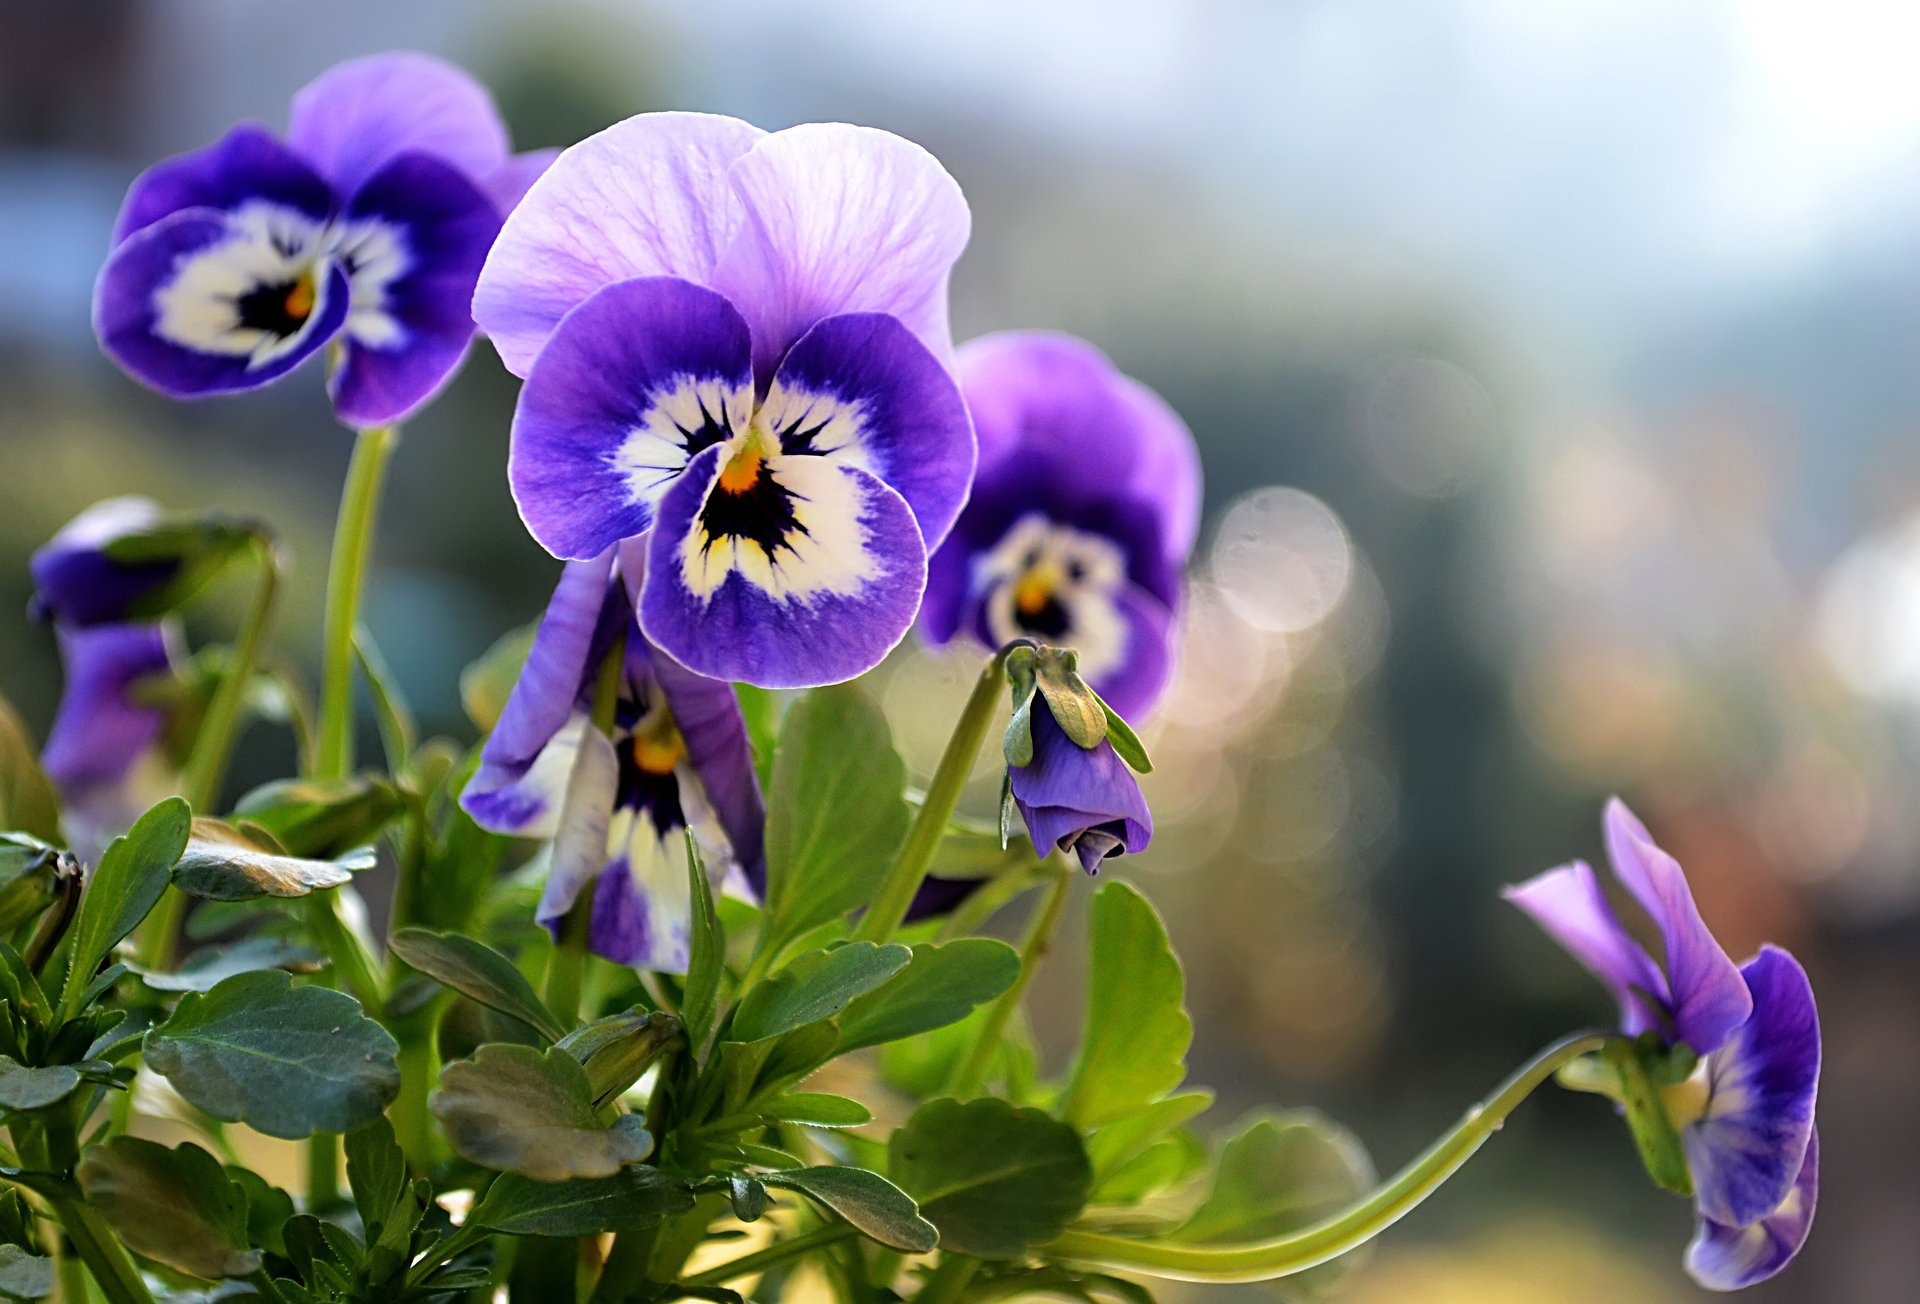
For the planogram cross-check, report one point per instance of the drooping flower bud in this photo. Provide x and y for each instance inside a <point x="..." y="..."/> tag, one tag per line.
<point x="122" y="561"/>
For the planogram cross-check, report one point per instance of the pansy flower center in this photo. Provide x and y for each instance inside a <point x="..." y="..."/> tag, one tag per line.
<point x="1052" y="582"/>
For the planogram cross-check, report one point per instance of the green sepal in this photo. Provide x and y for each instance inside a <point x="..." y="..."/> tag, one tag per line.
<point x="1126" y="743"/>
<point x="616" y="1050"/>
<point x="1076" y="708"/>
<point x="33" y="874"/>
<point x="198" y="548"/>
<point x="1652" y="1130"/>
<point x="1021" y="680"/>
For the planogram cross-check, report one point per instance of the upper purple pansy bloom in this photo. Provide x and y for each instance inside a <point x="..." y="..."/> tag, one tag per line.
<point x="1083" y="514"/>
<point x="364" y="226"/>
<point x="735" y="344"/>
<point x="1080" y="800"/>
<point x="618" y="809"/>
<point x="1745" y="1117"/>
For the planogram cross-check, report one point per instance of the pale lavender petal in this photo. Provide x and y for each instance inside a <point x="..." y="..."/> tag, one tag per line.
<point x="1569" y="904"/>
<point x="1133" y="681"/>
<point x="412" y="241"/>
<point x="860" y="389"/>
<point x="100" y="732"/>
<point x="579" y="850"/>
<point x="1733" y="1258"/>
<point x="356" y="117"/>
<point x="638" y="379"/>
<point x="508" y="184"/>
<point x="708" y="716"/>
<point x="1166" y="470"/>
<point x="247" y="165"/>
<point x="811" y="578"/>
<point x="1079" y="799"/>
<point x="1745" y="1152"/>
<point x="1709" y="998"/>
<point x="646" y="197"/>
<point x="76" y="582"/>
<point x="842" y="219"/>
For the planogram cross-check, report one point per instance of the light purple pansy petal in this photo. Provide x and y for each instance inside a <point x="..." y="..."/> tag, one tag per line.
<point x="172" y="305"/>
<point x="842" y="219"/>
<point x="1745" y="1152"/>
<point x="708" y="716"/>
<point x="1733" y="1258"/>
<point x="1166" y="471"/>
<point x="356" y="117"/>
<point x="646" y="197"/>
<point x="1132" y="684"/>
<point x="579" y="849"/>
<point x="412" y="241"/>
<point x="247" y="165"/>
<point x="508" y="184"/>
<point x="1570" y="906"/>
<point x="837" y="592"/>
<point x="861" y="389"/>
<point x="75" y="581"/>
<point x="99" y="732"/>
<point x="1709" y="998"/>
<point x="637" y="379"/>
<point x="1079" y="799"/>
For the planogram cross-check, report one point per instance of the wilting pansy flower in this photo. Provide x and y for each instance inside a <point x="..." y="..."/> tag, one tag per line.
<point x="1083" y="513"/>
<point x="364" y="226"/>
<point x="1745" y="1118"/>
<point x="735" y="344"/>
<point x="107" y="751"/>
<point x="617" y="810"/>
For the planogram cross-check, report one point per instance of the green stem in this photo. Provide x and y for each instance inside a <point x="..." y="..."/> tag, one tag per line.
<point x="626" y="1267"/>
<point x="93" y="1241"/>
<point x="779" y="1252"/>
<point x="1344" y="1231"/>
<point x="966" y="1082"/>
<point x="976" y="721"/>
<point x="949" y="1281"/>
<point x="346" y="576"/>
<point x="323" y="1171"/>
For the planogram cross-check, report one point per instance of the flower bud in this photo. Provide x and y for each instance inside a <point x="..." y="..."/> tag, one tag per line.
<point x="122" y="561"/>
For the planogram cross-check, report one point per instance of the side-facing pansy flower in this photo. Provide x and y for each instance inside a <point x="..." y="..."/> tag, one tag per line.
<point x="1083" y="514"/>
<point x="617" y="810"/>
<point x="364" y="227"/>
<point x="734" y="343"/>
<point x="1745" y="1117"/>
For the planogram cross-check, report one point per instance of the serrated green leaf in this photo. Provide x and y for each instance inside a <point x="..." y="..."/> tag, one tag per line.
<point x="177" y="1207"/>
<point x="22" y="1088"/>
<point x="130" y="879"/>
<point x="288" y="1061"/>
<point x="24" y="1274"/>
<point x="1154" y="1170"/>
<point x="518" y="1110"/>
<point x="813" y="986"/>
<point x="477" y="972"/>
<point x="634" y="1197"/>
<point x="268" y="1209"/>
<point x="27" y="800"/>
<point x="942" y="985"/>
<point x="221" y="863"/>
<point x="1114" y="1144"/>
<point x="875" y="1206"/>
<point x="816" y="1109"/>
<point x="836" y="810"/>
<point x="996" y="1180"/>
<point x="1134" y="1047"/>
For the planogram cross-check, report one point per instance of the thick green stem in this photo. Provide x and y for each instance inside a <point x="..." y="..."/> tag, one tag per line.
<point x="949" y="1281"/>
<point x="93" y="1241"/>
<point x="966" y="1081"/>
<point x="346" y="575"/>
<point x="896" y="894"/>
<point x="1344" y="1231"/>
<point x="779" y="1252"/>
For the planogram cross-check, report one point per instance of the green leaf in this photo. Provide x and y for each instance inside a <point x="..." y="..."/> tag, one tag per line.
<point x="875" y="1206"/>
<point x="487" y="682"/>
<point x="208" y="967"/>
<point x="634" y="1197"/>
<point x="707" y="951"/>
<point x="518" y="1110"/>
<point x="1161" y="1166"/>
<point x="748" y="1196"/>
<point x="288" y="1061"/>
<point x="815" y="985"/>
<point x="760" y="711"/>
<point x="176" y="1207"/>
<point x="376" y="1172"/>
<point x="323" y="817"/>
<point x="836" y="810"/>
<point x="221" y="863"/>
<point x="1126" y="743"/>
<point x="24" y="1274"/>
<point x="477" y="972"/>
<point x="1114" y="1144"/>
<point x="268" y="1209"/>
<point x="27" y="800"/>
<point x="32" y="877"/>
<point x="616" y="1050"/>
<point x="194" y="549"/>
<point x="1134" y="1048"/>
<point x="996" y="1180"/>
<point x="942" y="985"/>
<point x="22" y="1088"/>
<point x="816" y="1109"/>
<point x="398" y="733"/>
<point x="129" y="881"/>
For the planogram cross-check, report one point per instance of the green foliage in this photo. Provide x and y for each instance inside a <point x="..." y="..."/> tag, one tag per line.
<point x="177" y="1207"/>
<point x="995" y="1179"/>
<point x="487" y="682"/>
<point x="941" y="985"/>
<point x="707" y="951"/>
<point x="288" y="1061"/>
<point x="515" y="1109"/>
<point x="222" y="863"/>
<point x="815" y="986"/>
<point x="33" y="875"/>
<point x="616" y="1050"/>
<point x="211" y="965"/>
<point x="869" y="1201"/>
<point x="632" y="1198"/>
<point x="477" y="972"/>
<point x="322" y="817"/>
<point x="1134" y="1047"/>
<point x="23" y="1089"/>
<point x="195" y="550"/>
<point x="24" y="1274"/>
<point x="27" y="801"/>
<point x="131" y="877"/>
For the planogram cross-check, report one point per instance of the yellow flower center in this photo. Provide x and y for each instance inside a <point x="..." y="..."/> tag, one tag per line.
<point x="300" y="299"/>
<point x="1035" y="588"/>
<point x="659" y="748"/>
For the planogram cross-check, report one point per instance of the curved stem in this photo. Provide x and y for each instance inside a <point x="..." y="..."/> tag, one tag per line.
<point x="896" y="894"/>
<point x="973" y="1072"/>
<point x="1344" y="1231"/>
<point x="778" y="1252"/>
<point x="346" y="575"/>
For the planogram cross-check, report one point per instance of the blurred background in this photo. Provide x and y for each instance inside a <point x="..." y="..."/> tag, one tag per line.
<point x="1553" y="369"/>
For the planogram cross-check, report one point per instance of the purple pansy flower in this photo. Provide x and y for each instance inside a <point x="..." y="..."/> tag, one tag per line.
<point x="364" y="226"/>
<point x="1083" y="514"/>
<point x="78" y="585"/>
<point x="617" y="809"/>
<point x="1745" y="1117"/>
<point x="1080" y="800"/>
<point x="735" y="344"/>
<point x="106" y="752"/>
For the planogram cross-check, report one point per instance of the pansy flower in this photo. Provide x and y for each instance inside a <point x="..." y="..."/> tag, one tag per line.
<point x="1083" y="801"/>
<point x="735" y="345"/>
<point x="1083" y="514"/>
<point x="107" y="752"/>
<point x="364" y="227"/>
<point x="1745" y="1118"/>
<point x="617" y="810"/>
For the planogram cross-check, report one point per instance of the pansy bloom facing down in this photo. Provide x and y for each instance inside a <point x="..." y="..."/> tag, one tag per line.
<point x="734" y="344"/>
<point x="618" y="810"/>
<point x="1083" y="513"/>
<point x="364" y="226"/>
<point x="1745" y="1116"/>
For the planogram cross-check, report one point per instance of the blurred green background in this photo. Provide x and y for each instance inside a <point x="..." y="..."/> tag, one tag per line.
<point x="1554" y="372"/>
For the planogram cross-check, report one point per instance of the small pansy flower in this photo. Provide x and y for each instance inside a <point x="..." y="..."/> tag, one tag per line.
<point x="1745" y="1117"/>
<point x="735" y="345"/>
<point x="1083" y="801"/>
<point x="363" y="227"/>
<point x="107" y="752"/>
<point x="617" y="810"/>
<point x="1084" y="508"/>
